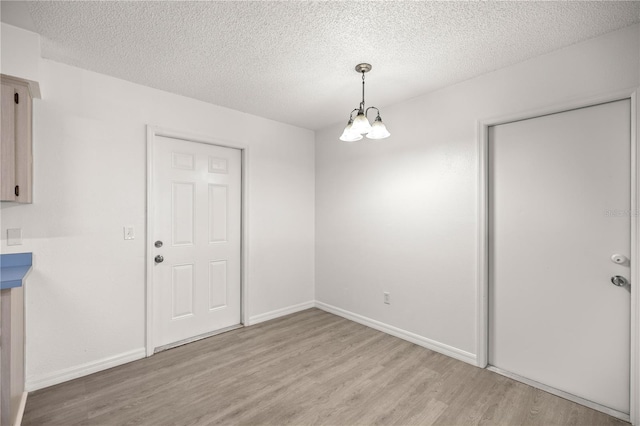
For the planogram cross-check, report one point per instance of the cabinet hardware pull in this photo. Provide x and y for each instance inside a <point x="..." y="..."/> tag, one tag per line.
<point x="16" y="98"/>
<point x="17" y="190"/>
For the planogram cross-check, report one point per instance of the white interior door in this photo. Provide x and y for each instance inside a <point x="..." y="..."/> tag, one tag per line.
<point x="559" y="208"/>
<point x="197" y="205"/>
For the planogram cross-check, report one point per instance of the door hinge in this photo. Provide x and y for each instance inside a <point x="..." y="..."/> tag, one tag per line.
<point x="17" y="190"/>
<point x="16" y="98"/>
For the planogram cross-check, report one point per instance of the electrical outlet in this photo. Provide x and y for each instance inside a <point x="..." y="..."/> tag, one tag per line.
<point x="387" y="298"/>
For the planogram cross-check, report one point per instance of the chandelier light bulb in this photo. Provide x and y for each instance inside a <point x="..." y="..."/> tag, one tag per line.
<point x="378" y="130"/>
<point x="361" y="125"/>
<point x="348" y="135"/>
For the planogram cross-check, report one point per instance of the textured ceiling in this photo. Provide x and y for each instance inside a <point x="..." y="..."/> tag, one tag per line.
<point x="293" y="61"/>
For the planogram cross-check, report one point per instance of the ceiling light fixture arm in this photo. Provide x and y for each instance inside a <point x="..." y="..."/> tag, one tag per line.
<point x="372" y="107"/>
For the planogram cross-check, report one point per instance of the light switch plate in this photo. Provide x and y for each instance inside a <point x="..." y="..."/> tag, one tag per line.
<point x="14" y="237"/>
<point x="129" y="233"/>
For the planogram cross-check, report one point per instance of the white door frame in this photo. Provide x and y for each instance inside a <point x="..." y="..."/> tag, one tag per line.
<point x="152" y="133"/>
<point x="482" y="301"/>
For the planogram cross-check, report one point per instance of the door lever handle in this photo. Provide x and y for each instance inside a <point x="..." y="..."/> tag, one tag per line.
<point x="619" y="280"/>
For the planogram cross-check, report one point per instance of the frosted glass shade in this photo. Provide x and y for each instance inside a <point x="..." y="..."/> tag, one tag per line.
<point x="361" y="124"/>
<point x="378" y="130"/>
<point x="348" y="135"/>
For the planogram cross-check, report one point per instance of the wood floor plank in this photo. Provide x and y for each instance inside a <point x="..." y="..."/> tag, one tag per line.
<point x="308" y="368"/>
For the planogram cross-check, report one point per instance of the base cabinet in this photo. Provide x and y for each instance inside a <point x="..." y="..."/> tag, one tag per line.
<point x="12" y="368"/>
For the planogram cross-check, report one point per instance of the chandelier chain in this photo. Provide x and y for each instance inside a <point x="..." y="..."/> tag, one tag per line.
<point x="362" y="103"/>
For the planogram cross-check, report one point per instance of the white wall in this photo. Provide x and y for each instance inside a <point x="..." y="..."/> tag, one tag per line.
<point x="86" y="293"/>
<point x="399" y="214"/>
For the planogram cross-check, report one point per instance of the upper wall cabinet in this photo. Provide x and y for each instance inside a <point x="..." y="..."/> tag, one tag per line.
<point x="16" y="159"/>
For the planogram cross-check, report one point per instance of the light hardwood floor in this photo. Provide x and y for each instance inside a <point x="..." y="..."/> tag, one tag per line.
<point x="307" y="368"/>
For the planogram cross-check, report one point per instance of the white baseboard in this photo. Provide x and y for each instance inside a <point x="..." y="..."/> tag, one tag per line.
<point x="23" y="403"/>
<point x="50" y="379"/>
<point x="456" y="353"/>
<point x="281" y="312"/>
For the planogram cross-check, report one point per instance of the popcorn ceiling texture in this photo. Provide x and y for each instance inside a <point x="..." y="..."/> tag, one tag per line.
<point x="293" y="61"/>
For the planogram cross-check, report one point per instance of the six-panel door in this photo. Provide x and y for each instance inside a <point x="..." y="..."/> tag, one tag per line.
<point x="196" y="282"/>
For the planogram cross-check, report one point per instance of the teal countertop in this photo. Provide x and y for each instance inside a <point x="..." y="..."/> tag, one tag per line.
<point x="13" y="269"/>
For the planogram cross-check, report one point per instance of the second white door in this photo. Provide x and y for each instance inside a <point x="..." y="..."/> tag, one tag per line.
<point x="197" y="234"/>
<point x="559" y="210"/>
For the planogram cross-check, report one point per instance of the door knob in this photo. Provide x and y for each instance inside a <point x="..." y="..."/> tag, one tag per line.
<point x="619" y="280"/>
<point x="160" y="259"/>
<point x="158" y="244"/>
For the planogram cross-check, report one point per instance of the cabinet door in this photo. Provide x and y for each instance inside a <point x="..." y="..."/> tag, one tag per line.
<point x="16" y="148"/>
<point x="24" y="157"/>
<point x="8" y="144"/>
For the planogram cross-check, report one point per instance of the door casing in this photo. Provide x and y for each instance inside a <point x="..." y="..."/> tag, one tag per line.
<point x="152" y="133"/>
<point x="482" y="300"/>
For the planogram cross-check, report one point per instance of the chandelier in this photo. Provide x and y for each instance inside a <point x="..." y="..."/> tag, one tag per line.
<point x="360" y="125"/>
